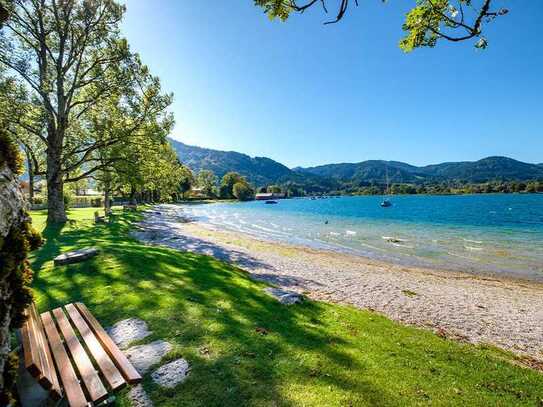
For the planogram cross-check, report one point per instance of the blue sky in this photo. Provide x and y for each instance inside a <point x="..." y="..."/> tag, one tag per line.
<point x="306" y="94"/>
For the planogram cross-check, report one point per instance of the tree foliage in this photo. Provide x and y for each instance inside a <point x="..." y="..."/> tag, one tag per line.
<point x="426" y="23"/>
<point x="90" y="91"/>
<point x="242" y="191"/>
<point x="207" y="181"/>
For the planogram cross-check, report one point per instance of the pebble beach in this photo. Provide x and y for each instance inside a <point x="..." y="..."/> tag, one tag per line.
<point x="503" y="312"/>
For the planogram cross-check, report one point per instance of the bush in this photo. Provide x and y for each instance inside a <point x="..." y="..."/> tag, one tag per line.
<point x="96" y="202"/>
<point x="243" y="191"/>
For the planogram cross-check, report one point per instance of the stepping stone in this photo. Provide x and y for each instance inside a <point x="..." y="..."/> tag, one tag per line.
<point x="143" y="357"/>
<point x="139" y="397"/>
<point x="283" y="296"/>
<point x="128" y="330"/>
<point x="171" y="374"/>
<point x="75" y="256"/>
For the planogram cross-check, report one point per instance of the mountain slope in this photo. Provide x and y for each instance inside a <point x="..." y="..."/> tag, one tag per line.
<point x="373" y="171"/>
<point x="264" y="171"/>
<point x="487" y="169"/>
<point x="260" y="171"/>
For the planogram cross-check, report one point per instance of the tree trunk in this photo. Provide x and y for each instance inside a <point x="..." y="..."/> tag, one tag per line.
<point x="132" y="199"/>
<point x="13" y="216"/>
<point x="107" y="203"/>
<point x="55" y="187"/>
<point x="30" y="178"/>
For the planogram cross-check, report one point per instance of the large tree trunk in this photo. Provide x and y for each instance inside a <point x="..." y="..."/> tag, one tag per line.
<point x="107" y="192"/>
<point x="30" y="177"/>
<point x="56" y="212"/>
<point x="12" y="217"/>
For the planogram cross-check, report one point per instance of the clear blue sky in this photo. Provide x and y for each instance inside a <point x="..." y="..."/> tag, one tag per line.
<point x="307" y="94"/>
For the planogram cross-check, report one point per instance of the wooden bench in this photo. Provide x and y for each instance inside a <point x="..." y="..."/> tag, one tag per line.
<point x="72" y="356"/>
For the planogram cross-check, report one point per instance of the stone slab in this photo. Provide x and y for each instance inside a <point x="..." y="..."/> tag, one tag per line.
<point x="284" y="296"/>
<point x="75" y="256"/>
<point x="128" y="330"/>
<point x="143" y="357"/>
<point x="171" y="374"/>
<point x="139" y="397"/>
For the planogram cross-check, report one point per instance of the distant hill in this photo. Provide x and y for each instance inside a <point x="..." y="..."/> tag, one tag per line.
<point x="260" y="171"/>
<point x="487" y="169"/>
<point x="264" y="171"/>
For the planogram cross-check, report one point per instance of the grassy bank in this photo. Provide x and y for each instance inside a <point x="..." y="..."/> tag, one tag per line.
<point x="314" y="354"/>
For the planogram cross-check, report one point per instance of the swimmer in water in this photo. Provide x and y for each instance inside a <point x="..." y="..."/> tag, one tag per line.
<point x="326" y="222"/>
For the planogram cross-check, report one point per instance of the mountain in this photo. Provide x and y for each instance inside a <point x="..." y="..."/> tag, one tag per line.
<point x="487" y="169"/>
<point x="373" y="171"/>
<point x="263" y="171"/>
<point x="260" y="171"/>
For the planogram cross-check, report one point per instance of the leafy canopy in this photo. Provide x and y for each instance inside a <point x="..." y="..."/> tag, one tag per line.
<point x="426" y="23"/>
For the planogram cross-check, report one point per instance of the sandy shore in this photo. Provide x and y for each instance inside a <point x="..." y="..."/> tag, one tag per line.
<point x="502" y="312"/>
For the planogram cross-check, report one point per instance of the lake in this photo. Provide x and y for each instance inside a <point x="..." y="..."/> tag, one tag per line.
<point x="491" y="233"/>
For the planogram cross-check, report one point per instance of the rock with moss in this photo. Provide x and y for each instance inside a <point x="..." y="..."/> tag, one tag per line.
<point x="17" y="238"/>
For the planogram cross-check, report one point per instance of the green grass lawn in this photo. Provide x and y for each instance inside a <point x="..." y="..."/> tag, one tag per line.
<point x="314" y="354"/>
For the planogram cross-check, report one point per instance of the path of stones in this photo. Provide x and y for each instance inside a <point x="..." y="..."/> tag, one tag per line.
<point x="144" y="357"/>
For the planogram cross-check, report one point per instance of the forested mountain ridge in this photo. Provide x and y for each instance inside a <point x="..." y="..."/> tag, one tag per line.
<point x="260" y="171"/>
<point x="484" y="170"/>
<point x="265" y="171"/>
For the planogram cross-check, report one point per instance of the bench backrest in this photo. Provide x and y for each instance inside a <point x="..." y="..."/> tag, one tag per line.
<point x="37" y="353"/>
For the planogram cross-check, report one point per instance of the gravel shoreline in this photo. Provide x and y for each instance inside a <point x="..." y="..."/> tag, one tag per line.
<point x="502" y="312"/>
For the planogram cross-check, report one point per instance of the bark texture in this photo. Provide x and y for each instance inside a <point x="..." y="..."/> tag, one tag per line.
<point x="16" y="239"/>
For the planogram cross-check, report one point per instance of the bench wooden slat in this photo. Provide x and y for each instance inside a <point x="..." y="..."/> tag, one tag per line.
<point x="107" y="366"/>
<point x="34" y="361"/>
<point x="83" y="364"/>
<point x="72" y="388"/>
<point x="129" y="372"/>
<point x="48" y="364"/>
<point x="28" y="349"/>
<point x="38" y="359"/>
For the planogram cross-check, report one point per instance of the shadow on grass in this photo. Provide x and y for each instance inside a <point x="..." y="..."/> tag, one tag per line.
<point x="210" y="311"/>
<point x="246" y="349"/>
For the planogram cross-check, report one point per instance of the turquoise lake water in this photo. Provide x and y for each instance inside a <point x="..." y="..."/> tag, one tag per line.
<point x="501" y="234"/>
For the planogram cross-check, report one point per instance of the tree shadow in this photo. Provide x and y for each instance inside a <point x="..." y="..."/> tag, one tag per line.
<point x="192" y="301"/>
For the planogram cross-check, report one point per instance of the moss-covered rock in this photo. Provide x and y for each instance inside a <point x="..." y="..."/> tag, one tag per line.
<point x="17" y="238"/>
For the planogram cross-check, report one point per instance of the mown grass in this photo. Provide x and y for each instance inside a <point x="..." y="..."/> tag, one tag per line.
<point x="314" y="354"/>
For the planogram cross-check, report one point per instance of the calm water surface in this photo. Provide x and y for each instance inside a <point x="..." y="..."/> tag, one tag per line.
<point x="500" y="234"/>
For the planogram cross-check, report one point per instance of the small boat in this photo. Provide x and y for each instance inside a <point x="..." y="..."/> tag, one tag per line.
<point x="270" y="202"/>
<point x="386" y="203"/>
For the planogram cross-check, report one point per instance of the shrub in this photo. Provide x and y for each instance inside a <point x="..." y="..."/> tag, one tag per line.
<point x="243" y="191"/>
<point x="96" y="202"/>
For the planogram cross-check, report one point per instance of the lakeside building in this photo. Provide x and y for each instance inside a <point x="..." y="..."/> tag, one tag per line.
<point x="269" y="195"/>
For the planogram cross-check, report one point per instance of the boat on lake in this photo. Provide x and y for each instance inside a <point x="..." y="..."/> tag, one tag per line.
<point x="386" y="203"/>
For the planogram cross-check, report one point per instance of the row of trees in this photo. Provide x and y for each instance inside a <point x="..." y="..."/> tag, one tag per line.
<point x="231" y="186"/>
<point x="449" y="188"/>
<point x="82" y="105"/>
